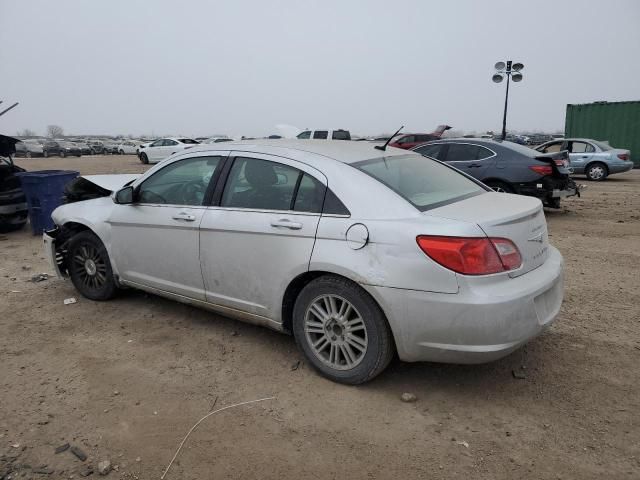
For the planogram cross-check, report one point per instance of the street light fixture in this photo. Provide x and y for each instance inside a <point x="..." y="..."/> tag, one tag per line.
<point x="512" y="71"/>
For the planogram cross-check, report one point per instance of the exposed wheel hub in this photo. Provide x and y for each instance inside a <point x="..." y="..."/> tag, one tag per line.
<point x="90" y="267"/>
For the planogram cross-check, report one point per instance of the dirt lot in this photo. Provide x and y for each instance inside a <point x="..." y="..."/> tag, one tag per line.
<point x="126" y="379"/>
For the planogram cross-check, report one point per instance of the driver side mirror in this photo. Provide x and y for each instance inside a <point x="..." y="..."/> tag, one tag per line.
<point x="124" y="196"/>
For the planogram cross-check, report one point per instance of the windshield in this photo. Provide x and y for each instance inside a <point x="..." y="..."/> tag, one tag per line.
<point x="604" y="146"/>
<point x="423" y="182"/>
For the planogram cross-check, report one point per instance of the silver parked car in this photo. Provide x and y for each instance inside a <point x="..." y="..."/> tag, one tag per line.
<point x="597" y="160"/>
<point x="360" y="253"/>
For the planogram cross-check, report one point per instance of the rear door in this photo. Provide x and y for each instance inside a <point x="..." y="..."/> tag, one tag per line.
<point x="470" y="158"/>
<point x="155" y="241"/>
<point x="260" y="232"/>
<point x="580" y="153"/>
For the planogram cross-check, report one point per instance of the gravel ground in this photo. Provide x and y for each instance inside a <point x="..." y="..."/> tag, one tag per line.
<point x="125" y="380"/>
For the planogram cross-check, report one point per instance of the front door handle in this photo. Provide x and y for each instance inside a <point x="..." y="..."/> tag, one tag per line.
<point x="286" y="223"/>
<point x="185" y="217"/>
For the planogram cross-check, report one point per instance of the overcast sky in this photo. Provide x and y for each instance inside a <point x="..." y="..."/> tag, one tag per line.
<point x="241" y="67"/>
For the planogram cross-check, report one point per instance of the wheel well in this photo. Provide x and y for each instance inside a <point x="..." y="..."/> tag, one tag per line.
<point x="590" y="164"/>
<point x="291" y="293"/>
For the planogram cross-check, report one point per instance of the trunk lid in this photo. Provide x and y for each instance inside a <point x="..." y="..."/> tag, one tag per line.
<point x="504" y="215"/>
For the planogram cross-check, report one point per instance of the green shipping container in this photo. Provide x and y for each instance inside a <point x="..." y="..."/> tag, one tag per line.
<point x="615" y="122"/>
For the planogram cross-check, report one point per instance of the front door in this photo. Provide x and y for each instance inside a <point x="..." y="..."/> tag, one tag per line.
<point x="260" y="233"/>
<point x="155" y="240"/>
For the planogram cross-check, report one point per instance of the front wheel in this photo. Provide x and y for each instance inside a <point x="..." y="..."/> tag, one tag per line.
<point x="143" y="158"/>
<point x="89" y="267"/>
<point x="62" y="154"/>
<point x="342" y="331"/>
<point x="597" y="172"/>
<point x="45" y="154"/>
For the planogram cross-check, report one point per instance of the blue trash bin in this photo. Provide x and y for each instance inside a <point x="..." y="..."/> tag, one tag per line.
<point x="44" y="190"/>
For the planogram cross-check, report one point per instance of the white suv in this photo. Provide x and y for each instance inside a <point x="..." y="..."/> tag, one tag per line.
<point x="338" y="134"/>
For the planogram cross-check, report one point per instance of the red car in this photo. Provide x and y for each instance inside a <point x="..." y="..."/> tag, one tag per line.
<point x="410" y="140"/>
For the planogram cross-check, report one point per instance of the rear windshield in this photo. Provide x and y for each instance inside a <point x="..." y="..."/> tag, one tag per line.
<point x="423" y="182"/>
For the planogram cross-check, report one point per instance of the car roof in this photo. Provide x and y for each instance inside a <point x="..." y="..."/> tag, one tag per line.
<point x="341" y="150"/>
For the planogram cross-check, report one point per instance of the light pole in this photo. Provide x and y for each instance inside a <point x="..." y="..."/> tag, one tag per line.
<point x="512" y="71"/>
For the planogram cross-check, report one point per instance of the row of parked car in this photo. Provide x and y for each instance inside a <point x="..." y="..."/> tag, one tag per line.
<point x="69" y="148"/>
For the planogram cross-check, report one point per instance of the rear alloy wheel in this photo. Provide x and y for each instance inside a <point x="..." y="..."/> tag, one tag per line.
<point x="500" y="187"/>
<point x="143" y="158"/>
<point x="342" y="331"/>
<point x="597" y="172"/>
<point x="89" y="267"/>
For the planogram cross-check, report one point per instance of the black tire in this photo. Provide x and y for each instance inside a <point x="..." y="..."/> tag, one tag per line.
<point x="121" y="152"/>
<point x="45" y="154"/>
<point x="499" y="186"/>
<point x="28" y="155"/>
<point x="377" y="334"/>
<point x="62" y="154"/>
<point x="596" y="172"/>
<point x="94" y="281"/>
<point x="553" y="203"/>
<point x="143" y="158"/>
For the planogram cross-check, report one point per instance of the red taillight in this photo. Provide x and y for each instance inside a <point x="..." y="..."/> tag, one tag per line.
<point x="623" y="156"/>
<point x="471" y="256"/>
<point x="542" y="169"/>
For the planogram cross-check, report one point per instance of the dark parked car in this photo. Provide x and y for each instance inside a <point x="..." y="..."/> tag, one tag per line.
<point x="84" y="147"/>
<point x="507" y="167"/>
<point x="28" y="149"/>
<point x="407" y="141"/>
<point x="68" y="149"/>
<point x="97" y="147"/>
<point x="110" y="148"/>
<point x="13" y="203"/>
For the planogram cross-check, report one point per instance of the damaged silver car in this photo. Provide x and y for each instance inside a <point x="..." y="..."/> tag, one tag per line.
<point x="359" y="252"/>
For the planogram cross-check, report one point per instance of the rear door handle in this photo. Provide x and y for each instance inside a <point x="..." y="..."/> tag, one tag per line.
<point x="185" y="217"/>
<point x="286" y="223"/>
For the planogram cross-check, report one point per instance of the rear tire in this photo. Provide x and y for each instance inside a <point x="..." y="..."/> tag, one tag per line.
<point x="501" y="187"/>
<point x="89" y="267"/>
<point x="596" y="172"/>
<point x="342" y="331"/>
<point x="143" y="158"/>
<point x="28" y="155"/>
<point x="45" y="154"/>
<point x="62" y="154"/>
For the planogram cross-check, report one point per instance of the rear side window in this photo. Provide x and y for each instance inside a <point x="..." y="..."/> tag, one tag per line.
<point x="422" y="182"/>
<point x="460" y="152"/>
<point x="188" y="141"/>
<point x="333" y="205"/>
<point x="321" y="134"/>
<point x="305" y="135"/>
<point x="581" y="147"/>
<point x="309" y="195"/>
<point x="407" y="139"/>
<point x="260" y="184"/>
<point x="340" y="135"/>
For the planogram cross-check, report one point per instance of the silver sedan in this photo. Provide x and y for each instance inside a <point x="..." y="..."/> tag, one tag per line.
<point x="359" y="253"/>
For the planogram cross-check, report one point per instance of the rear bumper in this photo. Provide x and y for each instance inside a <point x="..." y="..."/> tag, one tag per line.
<point x="487" y="319"/>
<point x="620" y="167"/>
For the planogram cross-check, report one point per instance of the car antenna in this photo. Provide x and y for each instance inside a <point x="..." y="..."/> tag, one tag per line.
<point x="384" y="147"/>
